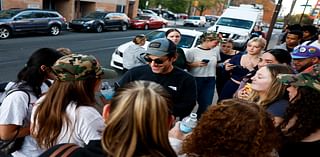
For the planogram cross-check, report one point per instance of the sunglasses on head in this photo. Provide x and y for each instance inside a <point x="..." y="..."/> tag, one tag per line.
<point x="157" y="61"/>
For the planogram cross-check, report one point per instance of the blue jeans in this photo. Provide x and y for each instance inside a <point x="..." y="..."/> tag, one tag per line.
<point x="205" y="89"/>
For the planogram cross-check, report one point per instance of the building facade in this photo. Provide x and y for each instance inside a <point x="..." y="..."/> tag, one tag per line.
<point x="72" y="9"/>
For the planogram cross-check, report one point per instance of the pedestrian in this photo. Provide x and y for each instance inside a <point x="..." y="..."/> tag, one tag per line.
<point x="293" y="39"/>
<point x="174" y="35"/>
<point x="300" y="128"/>
<point x="226" y="53"/>
<point x="66" y="113"/>
<point x="231" y="128"/>
<point x="272" y="56"/>
<point x="137" y="124"/>
<point x="160" y="55"/>
<point x="240" y="65"/>
<point x="15" y="110"/>
<point x="133" y="55"/>
<point x="265" y="80"/>
<point x="304" y="57"/>
<point x="202" y="61"/>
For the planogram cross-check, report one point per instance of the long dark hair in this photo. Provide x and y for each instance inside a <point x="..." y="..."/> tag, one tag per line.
<point x="31" y="74"/>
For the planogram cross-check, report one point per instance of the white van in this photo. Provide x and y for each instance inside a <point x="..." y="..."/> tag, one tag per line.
<point x="237" y="23"/>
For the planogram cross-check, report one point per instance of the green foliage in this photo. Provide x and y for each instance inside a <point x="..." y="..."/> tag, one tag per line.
<point x="306" y="20"/>
<point x="208" y="4"/>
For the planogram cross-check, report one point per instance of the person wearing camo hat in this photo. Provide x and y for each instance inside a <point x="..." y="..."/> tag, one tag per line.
<point x="301" y="127"/>
<point x="67" y="113"/>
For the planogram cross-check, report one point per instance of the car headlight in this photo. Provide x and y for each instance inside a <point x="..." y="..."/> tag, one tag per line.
<point x="90" y="22"/>
<point x="117" y="52"/>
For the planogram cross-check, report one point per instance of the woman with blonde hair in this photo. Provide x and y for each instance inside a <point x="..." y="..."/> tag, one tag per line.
<point x="137" y="123"/>
<point x="264" y="81"/>
<point x="240" y="65"/>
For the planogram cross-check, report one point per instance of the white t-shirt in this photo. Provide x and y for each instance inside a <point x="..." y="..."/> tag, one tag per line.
<point x="198" y="54"/>
<point x="86" y="124"/>
<point x="15" y="110"/>
<point x="132" y="56"/>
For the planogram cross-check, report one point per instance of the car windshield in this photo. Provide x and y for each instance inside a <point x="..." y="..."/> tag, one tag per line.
<point x="185" y="42"/>
<point x="6" y="14"/>
<point x="96" y="15"/>
<point x="238" y="23"/>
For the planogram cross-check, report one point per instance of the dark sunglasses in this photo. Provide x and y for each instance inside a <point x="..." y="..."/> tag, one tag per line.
<point x="157" y="61"/>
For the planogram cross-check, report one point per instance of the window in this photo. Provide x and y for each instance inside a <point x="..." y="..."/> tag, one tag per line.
<point x="25" y="15"/>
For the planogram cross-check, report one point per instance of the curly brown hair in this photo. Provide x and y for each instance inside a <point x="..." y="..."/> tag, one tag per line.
<point x="305" y="107"/>
<point x="233" y="128"/>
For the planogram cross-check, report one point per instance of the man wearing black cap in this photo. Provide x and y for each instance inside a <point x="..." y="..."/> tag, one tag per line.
<point x="160" y="55"/>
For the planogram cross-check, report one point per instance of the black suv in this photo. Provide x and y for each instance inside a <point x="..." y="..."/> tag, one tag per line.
<point x="99" y="21"/>
<point x="25" y="20"/>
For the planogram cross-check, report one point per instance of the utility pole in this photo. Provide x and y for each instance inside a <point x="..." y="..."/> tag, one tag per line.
<point x="286" y="21"/>
<point x="304" y="9"/>
<point x="273" y="21"/>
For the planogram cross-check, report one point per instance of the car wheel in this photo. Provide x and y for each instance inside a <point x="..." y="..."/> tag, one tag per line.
<point x="5" y="32"/>
<point x="54" y="30"/>
<point x="124" y="27"/>
<point x="99" y="28"/>
<point x="146" y="27"/>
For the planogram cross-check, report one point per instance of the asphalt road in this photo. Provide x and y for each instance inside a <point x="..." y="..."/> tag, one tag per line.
<point x="15" y="51"/>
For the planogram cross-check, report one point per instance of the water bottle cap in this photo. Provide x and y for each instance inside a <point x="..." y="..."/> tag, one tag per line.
<point x="193" y="115"/>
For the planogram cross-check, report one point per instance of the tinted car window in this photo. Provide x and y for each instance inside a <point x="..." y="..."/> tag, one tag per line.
<point x="6" y="14"/>
<point x="97" y="15"/>
<point x="39" y="15"/>
<point x="155" y="35"/>
<point x="53" y="15"/>
<point x="26" y="15"/>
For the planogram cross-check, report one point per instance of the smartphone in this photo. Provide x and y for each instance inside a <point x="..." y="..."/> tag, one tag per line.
<point x="205" y="60"/>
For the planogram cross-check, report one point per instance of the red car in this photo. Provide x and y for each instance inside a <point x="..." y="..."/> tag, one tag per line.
<point x="147" y="22"/>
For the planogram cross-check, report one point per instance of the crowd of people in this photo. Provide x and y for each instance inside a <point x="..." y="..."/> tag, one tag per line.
<point x="267" y="105"/>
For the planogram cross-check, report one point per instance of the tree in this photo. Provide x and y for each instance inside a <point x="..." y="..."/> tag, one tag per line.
<point x="208" y="4"/>
<point x="306" y="20"/>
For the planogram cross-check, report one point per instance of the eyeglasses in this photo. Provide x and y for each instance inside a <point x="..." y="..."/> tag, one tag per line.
<point x="157" y="60"/>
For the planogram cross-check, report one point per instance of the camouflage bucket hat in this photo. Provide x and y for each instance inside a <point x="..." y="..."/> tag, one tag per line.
<point x="211" y="36"/>
<point x="76" y="67"/>
<point x="310" y="79"/>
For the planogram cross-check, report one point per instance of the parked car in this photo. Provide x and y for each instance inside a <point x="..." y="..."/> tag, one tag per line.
<point x="279" y="25"/>
<point x="189" y="39"/>
<point x="182" y="16"/>
<point x="99" y="21"/>
<point x="30" y="20"/>
<point x="195" y="21"/>
<point x="147" y="11"/>
<point x="147" y="22"/>
<point x="167" y="14"/>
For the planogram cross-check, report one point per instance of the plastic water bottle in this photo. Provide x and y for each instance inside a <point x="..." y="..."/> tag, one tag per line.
<point x="106" y="90"/>
<point x="188" y="123"/>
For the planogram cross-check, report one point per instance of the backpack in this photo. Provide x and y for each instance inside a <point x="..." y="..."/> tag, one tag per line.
<point x="9" y="146"/>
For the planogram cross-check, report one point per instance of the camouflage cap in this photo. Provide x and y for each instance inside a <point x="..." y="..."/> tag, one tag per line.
<point x="310" y="79"/>
<point x="80" y="67"/>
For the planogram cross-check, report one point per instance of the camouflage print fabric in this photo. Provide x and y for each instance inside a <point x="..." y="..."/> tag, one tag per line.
<point x="311" y="79"/>
<point x="80" y="67"/>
